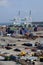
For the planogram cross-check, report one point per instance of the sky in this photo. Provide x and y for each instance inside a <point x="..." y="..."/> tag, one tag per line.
<point x="9" y="9"/>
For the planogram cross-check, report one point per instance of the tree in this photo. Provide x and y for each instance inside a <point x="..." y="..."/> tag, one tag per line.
<point x="29" y="25"/>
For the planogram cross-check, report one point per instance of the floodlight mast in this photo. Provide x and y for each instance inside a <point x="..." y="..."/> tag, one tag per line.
<point x="29" y="19"/>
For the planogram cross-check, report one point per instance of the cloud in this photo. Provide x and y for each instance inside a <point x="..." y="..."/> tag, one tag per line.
<point x="3" y="2"/>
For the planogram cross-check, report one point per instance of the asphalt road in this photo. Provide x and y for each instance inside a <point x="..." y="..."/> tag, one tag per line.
<point x="14" y="63"/>
<point x="7" y="63"/>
